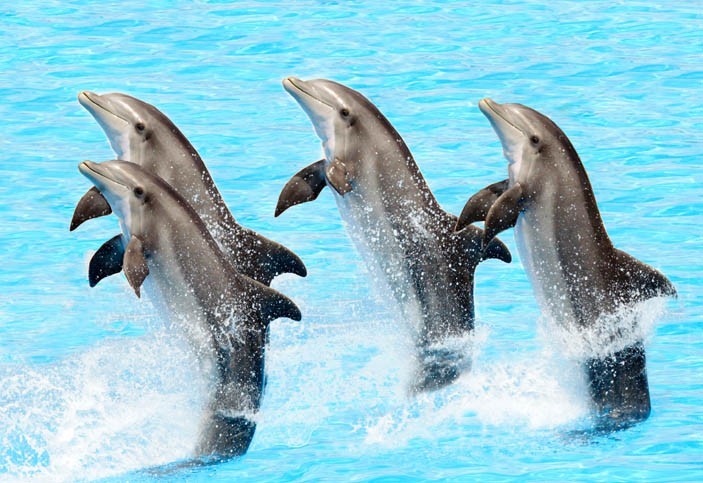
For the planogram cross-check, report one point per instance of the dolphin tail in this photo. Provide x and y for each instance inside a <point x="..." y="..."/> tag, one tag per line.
<point x="259" y="258"/>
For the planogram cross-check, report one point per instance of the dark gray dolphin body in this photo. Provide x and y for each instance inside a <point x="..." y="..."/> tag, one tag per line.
<point x="225" y="314"/>
<point x="580" y="279"/>
<point x="140" y="133"/>
<point x="396" y="223"/>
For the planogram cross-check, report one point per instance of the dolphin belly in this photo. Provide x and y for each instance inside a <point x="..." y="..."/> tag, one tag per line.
<point x="410" y="262"/>
<point x="374" y="238"/>
<point x="535" y="238"/>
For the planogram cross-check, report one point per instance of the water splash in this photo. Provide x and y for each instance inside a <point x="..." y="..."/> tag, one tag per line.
<point x="611" y="333"/>
<point x="125" y="404"/>
<point x="528" y="393"/>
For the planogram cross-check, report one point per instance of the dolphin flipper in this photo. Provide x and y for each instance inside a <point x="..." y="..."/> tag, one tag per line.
<point x="306" y="185"/>
<point x="476" y="209"/>
<point x="471" y="239"/>
<point x="339" y="176"/>
<point x="91" y="205"/>
<point x="135" y="267"/>
<point x="503" y="214"/>
<point x="106" y="261"/>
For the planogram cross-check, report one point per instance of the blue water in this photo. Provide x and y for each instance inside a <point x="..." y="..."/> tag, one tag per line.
<point x="92" y="384"/>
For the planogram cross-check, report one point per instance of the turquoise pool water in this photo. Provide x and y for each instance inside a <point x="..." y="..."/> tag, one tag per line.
<point x="93" y="386"/>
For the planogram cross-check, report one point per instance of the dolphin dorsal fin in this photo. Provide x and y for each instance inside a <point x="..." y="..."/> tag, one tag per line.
<point x="273" y="304"/>
<point x="641" y="281"/>
<point x="257" y="257"/>
<point x="91" y="205"/>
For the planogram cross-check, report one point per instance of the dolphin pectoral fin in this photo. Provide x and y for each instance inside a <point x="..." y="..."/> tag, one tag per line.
<point x="339" y="176"/>
<point x="134" y="264"/>
<point x="106" y="261"/>
<point x="306" y="185"/>
<point x="503" y="214"/>
<point x="472" y="237"/>
<point x="641" y="281"/>
<point x="92" y="205"/>
<point x="476" y="209"/>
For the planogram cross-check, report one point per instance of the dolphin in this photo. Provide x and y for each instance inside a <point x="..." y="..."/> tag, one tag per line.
<point x="225" y="314"/>
<point x="140" y="133"/>
<point x="395" y="221"/>
<point x="580" y="279"/>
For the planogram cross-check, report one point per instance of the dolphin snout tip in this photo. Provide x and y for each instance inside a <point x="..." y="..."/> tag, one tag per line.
<point x="485" y="103"/>
<point x="291" y="83"/>
<point x="86" y="97"/>
<point x="84" y="165"/>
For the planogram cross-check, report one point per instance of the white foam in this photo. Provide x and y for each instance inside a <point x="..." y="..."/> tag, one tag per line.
<point x="611" y="333"/>
<point x="132" y="403"/>
<point x="122" y="405"/>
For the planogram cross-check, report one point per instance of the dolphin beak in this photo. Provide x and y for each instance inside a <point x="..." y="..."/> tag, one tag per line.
<point x="85" y="98"/>
<point x="92" y="171"/>
<point x="100" y="175"/>
<point x="511" y="137"/>
<point x="101" y="110"/>
<point x="304" y="93"/>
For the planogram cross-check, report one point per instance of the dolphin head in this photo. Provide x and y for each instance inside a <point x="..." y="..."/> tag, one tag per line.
<point x="528" y="137"/>
<point x="131" y="125"/>
<point x="125" y="186"/>
<point x="337" y="112"/>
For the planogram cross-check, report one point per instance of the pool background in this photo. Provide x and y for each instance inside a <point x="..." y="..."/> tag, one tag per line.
<point x="93" y="386"/>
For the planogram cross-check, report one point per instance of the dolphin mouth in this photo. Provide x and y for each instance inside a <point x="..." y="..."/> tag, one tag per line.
<point x="294" y="86"/>
<point x="91" y="101"/>
<point x="96" y="174"/>
<point x="489" y="108"/>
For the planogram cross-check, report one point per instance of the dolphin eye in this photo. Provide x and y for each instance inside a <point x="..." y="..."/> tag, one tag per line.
<point x="140" y="127"/>
<point x="534" y="140"/>
<point x="344" y="112"/>
<point x="138" y="191"/>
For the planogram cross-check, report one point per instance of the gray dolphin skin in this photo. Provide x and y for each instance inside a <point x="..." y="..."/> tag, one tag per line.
<point x="225" y="315"/>
<point x="580" y="279"/>
<point x="396" y="223"/>
<point x="140" y="133"/>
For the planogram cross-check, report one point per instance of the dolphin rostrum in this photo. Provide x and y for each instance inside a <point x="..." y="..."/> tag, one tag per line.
<point x="395" y="221"/>
<point x="140" y="133"/>
<point x="225" y="314"/>
<point x="580" y="279"/>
